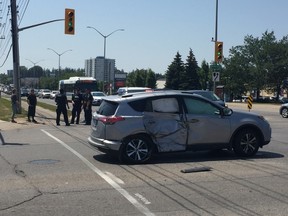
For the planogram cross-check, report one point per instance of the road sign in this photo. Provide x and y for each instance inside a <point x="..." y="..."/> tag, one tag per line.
<point x="249" y="102"/>
<point x="216" y="76"/>
<point x="216" y="67"/>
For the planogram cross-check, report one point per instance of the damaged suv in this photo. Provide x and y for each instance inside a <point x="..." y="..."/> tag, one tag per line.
<point x="137" y="126"/>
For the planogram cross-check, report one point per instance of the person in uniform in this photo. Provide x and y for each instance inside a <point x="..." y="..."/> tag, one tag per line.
<point x="15" y="105"/>
<point x="87" y="106"/>
<point x="32" y="102"/>
<point x="61" y="102"/>
<point x="77" y="100"/>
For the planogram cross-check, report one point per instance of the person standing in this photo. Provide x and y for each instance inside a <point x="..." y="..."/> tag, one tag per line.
<point x="87" y="106"/>
<point x="61" y="102"/>
<point x="15" y="105"/>
<point x="32" y="102"/>
<point x="77" y="100"/>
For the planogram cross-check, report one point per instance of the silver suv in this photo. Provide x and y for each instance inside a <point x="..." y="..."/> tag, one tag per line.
<point x="139" y="126"/>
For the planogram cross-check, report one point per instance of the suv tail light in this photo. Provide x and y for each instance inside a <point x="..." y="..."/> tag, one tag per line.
<point x="111" y="119"/>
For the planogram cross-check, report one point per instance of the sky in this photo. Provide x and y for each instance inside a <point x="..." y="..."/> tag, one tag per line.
<point x="154" y="30"/>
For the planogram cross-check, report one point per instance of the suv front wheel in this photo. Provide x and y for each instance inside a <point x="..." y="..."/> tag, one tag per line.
<point x="136" y="149"/>
<point x="247" y="143"/>
<point x="284" y="112"/>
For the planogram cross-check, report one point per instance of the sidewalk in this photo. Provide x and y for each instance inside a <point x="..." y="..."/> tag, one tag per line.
<point x="22" y="123"/>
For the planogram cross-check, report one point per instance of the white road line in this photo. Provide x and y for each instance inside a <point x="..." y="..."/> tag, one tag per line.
<point x="143" y="209"/>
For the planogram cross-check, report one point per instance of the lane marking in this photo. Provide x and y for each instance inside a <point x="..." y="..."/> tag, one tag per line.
<point x="116" y="179"/>
<point x="143" y="209"/>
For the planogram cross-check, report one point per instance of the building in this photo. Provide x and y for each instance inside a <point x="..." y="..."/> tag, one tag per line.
<point x="94" y="67"/>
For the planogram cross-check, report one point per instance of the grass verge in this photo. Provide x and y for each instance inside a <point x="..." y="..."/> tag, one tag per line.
<point x="6" y="110"/>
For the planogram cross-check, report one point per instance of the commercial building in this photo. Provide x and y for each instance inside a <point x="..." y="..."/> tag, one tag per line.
<point x="95" y="67"/>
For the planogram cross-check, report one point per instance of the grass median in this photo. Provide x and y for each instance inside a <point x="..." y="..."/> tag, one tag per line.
<point x="6" y="109"/>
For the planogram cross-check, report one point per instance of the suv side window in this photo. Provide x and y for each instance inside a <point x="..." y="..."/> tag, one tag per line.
<point x="195" y="106"/>
<point x="162" y="105"/>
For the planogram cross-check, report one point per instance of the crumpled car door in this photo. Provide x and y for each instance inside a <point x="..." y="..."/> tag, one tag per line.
<point x="166" y="125"/>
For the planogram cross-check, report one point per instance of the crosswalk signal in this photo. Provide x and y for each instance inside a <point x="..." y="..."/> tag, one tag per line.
<point x="218" y="51"/>
<point x="69" y="21"/>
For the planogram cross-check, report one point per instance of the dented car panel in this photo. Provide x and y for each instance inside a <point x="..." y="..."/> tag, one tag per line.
<point x="167" y="130"/>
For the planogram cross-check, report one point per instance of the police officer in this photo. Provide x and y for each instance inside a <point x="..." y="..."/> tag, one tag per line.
<point x="77" y="100"/>
<point x="87" y="106"/>
<point x="61" y="102"/>
<point x="32" y="102"/>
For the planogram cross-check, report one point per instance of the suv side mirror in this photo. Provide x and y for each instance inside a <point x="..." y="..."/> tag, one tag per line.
<point x="227" y="111"/>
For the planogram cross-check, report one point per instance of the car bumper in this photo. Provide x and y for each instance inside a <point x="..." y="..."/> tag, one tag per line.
<point x="104" y="145"/>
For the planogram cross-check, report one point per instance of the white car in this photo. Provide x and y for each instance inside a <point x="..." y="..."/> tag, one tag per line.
<point x="53" y="94"/>
<point x="97" y="97"/>
<point x="44" y="93"/>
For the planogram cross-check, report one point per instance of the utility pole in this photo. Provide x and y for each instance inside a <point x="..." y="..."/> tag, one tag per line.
<point x="15" y="44"/>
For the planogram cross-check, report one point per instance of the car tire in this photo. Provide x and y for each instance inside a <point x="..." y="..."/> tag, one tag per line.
<point x="136" y="149"/>
<point x="284" y="112"/>
<point x="247" y="142"/>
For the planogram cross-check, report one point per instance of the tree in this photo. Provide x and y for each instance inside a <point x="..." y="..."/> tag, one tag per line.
<point x="173" y="73"/>
<point x="261" y="63"/>
<point x="141" y="78"/>
<point x="150" y="79"/>
<point x="204" y="75"/>
<point x="189" y="78"/>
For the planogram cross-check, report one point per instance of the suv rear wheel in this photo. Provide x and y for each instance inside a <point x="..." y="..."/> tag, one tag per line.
<point x="136" y="149"/>
<point x="247" y="143"/>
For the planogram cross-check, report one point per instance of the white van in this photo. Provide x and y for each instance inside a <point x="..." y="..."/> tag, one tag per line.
<point x="127" y="90"/>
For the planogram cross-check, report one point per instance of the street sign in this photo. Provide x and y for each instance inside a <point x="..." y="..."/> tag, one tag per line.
<point x="216" y="76"/>
<point x="249" y="102"/>
<point x="216" y="67"/>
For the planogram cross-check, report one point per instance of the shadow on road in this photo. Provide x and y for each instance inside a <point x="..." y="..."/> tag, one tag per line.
<point x="186" y="157"/>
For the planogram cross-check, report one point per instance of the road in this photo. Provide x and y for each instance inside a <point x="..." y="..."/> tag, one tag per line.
<point x="50" y="170"/>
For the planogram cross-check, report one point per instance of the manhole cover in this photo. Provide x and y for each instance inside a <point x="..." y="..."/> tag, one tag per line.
<point x="44" y="161"/>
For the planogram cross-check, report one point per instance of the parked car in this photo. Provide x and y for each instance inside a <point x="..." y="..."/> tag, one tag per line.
<point x="207" y="94"/>
<point x="137" y="126"/>
<point x="97" y="97"/>
<point x="24" y="92"/>
<point x="53" y="94"/>
<point x="284" y="110"/>
<point x="44" y="93"/>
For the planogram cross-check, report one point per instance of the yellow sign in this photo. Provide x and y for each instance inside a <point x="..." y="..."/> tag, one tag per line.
<point x="249" y="102"/>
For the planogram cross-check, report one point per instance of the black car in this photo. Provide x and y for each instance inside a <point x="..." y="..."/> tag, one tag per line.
<point x="207" y="94"/>
<point x="24" y="92"/>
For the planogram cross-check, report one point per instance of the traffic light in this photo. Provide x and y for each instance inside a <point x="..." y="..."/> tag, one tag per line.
<point x="69" y="21"/>
<point x="218" y="51"/>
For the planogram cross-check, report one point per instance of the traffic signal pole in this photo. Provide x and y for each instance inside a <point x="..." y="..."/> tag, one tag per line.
<point x="15" y="44"/>
<point x="216" y="23"/>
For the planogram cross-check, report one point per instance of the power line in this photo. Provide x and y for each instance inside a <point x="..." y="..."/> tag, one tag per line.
<point x="5" y="34"/>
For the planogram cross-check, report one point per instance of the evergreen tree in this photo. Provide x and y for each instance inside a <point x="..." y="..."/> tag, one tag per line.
<point x="204" y="75"/>
<point x="189" y="79"/>
<point x="173" y="73"/>
<point x="150" y="79"/>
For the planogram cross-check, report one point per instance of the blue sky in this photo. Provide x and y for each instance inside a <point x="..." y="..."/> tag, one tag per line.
<point x="155" y="30"/>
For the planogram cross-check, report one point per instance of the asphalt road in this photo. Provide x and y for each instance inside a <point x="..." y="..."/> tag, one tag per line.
<point x="50" y="170"/>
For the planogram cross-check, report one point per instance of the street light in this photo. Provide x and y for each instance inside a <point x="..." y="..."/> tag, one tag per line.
<point x="105" y="36"/>
<point x="34" y="63"/>
<point x="59" y="55"/>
